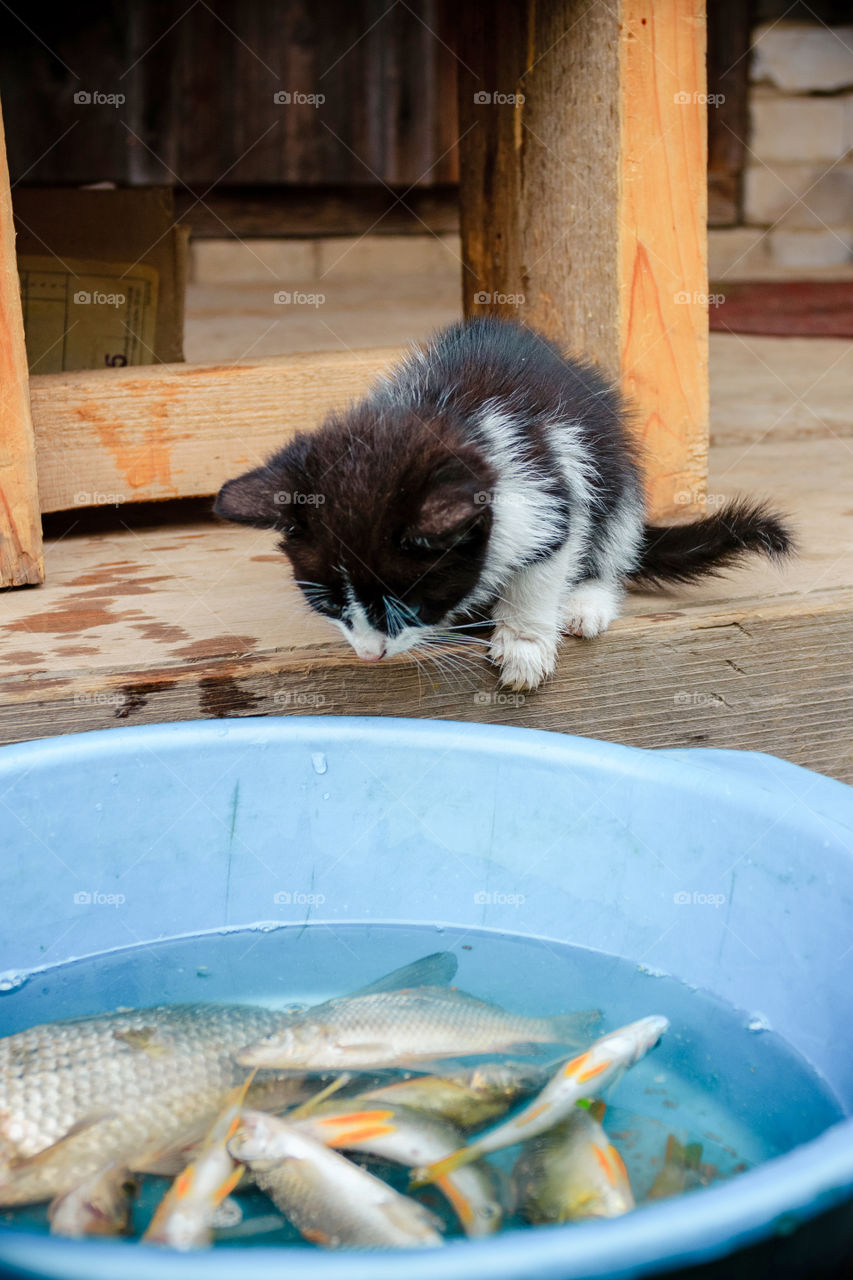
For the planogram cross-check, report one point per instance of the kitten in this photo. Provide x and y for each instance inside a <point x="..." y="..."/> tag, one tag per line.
<point x="489" y="475"/>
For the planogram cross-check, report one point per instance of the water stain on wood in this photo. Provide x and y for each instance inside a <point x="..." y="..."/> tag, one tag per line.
<point x="67" y="621"/>
<point x="135" y="587"/>
<point x="279" y="559"/>
<point x="168" y="632"/>
<point x="227" y="646"/>
<point x="223" y="696"/>
<point x="137" y="693"/>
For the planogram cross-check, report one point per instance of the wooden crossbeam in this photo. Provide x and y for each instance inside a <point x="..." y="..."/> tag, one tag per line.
<point x="180" y="430"/>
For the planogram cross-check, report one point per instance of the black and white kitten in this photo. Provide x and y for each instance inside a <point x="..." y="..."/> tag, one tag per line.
<point x="488" y="475"/>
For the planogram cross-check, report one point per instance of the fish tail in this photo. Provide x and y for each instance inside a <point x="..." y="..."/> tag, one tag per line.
<point x="428" y="1173"/>
<point x="574" y="1029"/>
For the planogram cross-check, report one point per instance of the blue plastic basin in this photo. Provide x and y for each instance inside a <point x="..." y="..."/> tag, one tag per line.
<point x="152" y="812"/>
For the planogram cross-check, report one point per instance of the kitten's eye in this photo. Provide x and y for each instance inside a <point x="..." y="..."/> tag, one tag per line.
<point x="320" y="600"/>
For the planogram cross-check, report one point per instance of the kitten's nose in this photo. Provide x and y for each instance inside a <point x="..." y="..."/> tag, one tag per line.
<point x="372" y="657"/>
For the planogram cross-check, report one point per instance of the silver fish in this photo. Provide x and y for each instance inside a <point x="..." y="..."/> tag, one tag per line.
<point x="400" y="1028"/>
<point x="408" y="1137"/>
<point x="583" y="1077"/>
<point x="465" y="1098"/>
<point x="329" y="1200"/>
<point x="136" y="1088"/>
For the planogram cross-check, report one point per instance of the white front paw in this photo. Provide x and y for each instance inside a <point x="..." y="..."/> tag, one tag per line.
<point x="524" y="661"/>
<point x="590" y="609"/>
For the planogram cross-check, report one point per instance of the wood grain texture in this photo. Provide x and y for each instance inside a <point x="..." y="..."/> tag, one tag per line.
<point x="21" y="559"/>
<point x="190" y="618"/>
<point x="179" y="430"/>
<point x="583" y="201"/>
<point x="663" y="272"/>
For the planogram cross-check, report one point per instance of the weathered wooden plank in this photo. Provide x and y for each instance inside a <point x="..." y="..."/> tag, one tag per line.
<point x="582" y="187"/>
<point x="669" y="680"/>
<point x="179" y="430"/>
<point x="21" y="559"/>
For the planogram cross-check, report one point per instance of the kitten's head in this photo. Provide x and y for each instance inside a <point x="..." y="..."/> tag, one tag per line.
<point x="384" y="517"/>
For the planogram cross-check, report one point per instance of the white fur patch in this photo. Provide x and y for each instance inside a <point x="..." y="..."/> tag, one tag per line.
<point x="591" y="607"/>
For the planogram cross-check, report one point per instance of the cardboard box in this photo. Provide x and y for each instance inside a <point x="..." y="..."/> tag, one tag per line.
<point x="103" y="277"/>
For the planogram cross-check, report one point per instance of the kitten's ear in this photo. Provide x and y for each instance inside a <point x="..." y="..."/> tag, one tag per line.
<point x="254" y="498"/>
<point x="448" y="515"/>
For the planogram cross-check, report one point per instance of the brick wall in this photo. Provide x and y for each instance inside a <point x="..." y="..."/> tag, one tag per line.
<point x="798" y="180"/>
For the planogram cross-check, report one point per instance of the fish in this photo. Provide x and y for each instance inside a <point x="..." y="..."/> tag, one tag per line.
<point x="186" y="1216"/>
<point x="401" y="1028"/>
<point x="584" y="1076"/>
<point x="135" y="1087"/>
<point x="331" y="1201"/>
<point x="404" y="1136"/>
<point x="467" y="1098"/>
<point x="97" y="1206"/>
<point x="571" y="1172"/>
<point x="682" y="1170"/>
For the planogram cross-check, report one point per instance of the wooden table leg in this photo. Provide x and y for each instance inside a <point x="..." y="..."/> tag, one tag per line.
<point x="584" y="195"/>
<point x="21" y="561"/>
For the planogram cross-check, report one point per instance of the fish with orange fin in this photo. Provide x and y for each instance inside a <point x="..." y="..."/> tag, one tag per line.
<point x="134" y="1086"/>
<point x="572" y="1172"/>
<point x="466" y="1097"/>
<point x="584" y="1076"/>
<point x="187" y="1215"/>
<point x="404" y="1136"/>
<point x="330" y="1200"/>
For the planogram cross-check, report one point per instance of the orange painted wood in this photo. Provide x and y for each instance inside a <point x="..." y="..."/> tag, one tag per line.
<point x="21" y="559"/>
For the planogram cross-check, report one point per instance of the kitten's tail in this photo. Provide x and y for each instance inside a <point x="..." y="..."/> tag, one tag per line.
<point x="685" y="552"/>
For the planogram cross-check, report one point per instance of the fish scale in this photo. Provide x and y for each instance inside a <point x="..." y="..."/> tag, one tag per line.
<point x="133" y="1099"/>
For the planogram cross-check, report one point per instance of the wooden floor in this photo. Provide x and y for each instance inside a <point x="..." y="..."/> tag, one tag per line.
<point x="171" y="615"/>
